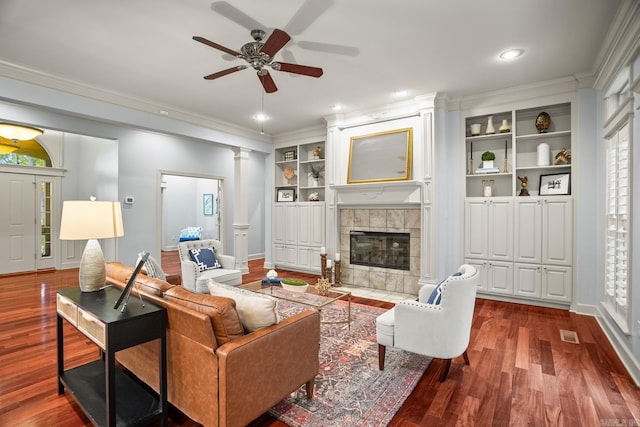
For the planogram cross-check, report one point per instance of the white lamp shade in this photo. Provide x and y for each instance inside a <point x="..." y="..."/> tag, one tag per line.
<point x="84" y="219"/>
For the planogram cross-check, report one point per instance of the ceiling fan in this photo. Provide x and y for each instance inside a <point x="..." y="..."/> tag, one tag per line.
<point x="259" y="55"/>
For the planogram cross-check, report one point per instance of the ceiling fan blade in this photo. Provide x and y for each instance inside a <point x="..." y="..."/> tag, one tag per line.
<point x="275" y="42"/>
<point x="267" y="82"/>
<point x="235" y="15"/>
<point x="329" y="48"/>
<point x="225" y="72"/>
<point x="298" y="69"/>
<point x="216" y="46"/>
<point x="306" y="15"/>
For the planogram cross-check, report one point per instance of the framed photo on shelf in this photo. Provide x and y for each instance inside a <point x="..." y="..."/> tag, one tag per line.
<point x="286" y="195"/>
<point x="557" y="184"/>
<point x="207" y="204"/>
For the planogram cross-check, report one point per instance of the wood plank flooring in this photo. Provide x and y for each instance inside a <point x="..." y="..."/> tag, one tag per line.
<point x="521" y="372"/>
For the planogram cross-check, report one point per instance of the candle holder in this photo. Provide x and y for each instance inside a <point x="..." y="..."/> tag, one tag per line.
<point x="337" y="281"/>
<point x="329" y="273"/>
<point x="505" y="169"/>
<point x="323" y="266"/>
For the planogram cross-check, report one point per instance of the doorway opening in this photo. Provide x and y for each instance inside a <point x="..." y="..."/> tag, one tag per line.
<point x="190" y="201"/>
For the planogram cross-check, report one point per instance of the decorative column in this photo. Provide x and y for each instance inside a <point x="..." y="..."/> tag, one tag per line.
<point x="241" y="209"/>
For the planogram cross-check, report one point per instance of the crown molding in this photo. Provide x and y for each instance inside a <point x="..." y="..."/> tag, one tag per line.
<point x="50" y="81"/>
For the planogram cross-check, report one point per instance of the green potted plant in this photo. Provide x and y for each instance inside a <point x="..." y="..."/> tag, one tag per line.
<point x="487" y="159"/>
<point x="295" y="285"/>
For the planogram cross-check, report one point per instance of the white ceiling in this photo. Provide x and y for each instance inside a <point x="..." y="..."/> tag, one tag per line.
<point x="135" y="51"/>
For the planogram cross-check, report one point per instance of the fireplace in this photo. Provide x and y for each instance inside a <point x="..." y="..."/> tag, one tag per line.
<point x="380" y="249"/>
<point x="389" y="266"/>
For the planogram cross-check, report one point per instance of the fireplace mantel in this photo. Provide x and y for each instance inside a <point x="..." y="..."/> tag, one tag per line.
<point x="383" y="193"/>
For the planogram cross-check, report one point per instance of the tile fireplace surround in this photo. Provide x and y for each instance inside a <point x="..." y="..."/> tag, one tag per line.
<point x="392" y="220"/>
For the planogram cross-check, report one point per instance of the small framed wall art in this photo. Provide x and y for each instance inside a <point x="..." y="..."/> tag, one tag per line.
<point x="557" y="184"/>
<point x="207" y="204"/>
<point x="286" y="195"/>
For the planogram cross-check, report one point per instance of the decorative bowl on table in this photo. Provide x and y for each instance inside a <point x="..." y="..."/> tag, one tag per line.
<point x="294" y="285"/>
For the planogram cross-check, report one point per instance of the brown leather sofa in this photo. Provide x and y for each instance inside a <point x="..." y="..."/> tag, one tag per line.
<point x="217" y="374"/>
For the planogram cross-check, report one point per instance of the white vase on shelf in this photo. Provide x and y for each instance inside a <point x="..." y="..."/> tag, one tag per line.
<point x="490" y="129"/>
<point x="543" y="154"/>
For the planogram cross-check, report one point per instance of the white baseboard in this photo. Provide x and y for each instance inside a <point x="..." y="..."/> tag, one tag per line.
<point x="619" y="345"/>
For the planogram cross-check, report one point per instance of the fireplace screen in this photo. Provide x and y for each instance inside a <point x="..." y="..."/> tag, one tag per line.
<point x="380" y="249"/>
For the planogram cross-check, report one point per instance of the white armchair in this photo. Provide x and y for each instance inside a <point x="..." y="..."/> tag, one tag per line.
<point x="437" y="325"/>
<point x="196" y="280"/>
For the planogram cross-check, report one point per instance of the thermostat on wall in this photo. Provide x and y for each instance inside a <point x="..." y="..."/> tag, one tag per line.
<point x="128" y="200"/>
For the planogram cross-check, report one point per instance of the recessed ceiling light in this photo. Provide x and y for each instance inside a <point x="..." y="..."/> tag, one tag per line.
<point x="261" y="117"/>
<point x="401" y="92"/>
<point x="511" y="54"/>
<point x="337" y="107"/>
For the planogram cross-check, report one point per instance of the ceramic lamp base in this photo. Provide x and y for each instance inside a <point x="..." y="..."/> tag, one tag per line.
<point x="93" y="270"/>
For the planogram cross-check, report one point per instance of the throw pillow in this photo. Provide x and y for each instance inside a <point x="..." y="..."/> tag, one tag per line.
<point x="190" y="233"/>
<point x="436" y="296"/>
<point x="255" y="311"/>
<point x="205" y="258"/>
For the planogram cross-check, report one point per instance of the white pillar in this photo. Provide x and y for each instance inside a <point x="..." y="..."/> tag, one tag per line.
<point x="241" y="209"/>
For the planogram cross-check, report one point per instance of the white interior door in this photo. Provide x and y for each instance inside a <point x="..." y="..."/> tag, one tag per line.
<point x="17" y="223"/>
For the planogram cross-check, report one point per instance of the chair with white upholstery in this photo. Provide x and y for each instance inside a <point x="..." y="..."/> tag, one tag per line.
<point x="202" y="260"/>
<point x="438" y="325"/>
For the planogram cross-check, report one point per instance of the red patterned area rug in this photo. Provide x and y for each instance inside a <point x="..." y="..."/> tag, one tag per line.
<point x="350" y="390"/>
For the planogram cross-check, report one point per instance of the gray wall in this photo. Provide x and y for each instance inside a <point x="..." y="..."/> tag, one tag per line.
<point x="140" y="155"/>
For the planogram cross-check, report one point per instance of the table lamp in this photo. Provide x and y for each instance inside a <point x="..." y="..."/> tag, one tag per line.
<point x="91" y="220"/>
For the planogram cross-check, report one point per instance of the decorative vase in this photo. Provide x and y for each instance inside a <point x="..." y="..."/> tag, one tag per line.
<point x="475" y="129"/>
<point x="315" y="182"/>
<point x="543" y="121"/>
<point x="505" y="127"/>
<point x="490" y="129"/>
<point x="543" y="154"/>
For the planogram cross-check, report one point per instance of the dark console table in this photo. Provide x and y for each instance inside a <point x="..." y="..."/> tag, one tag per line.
<point x="105" y="393"/>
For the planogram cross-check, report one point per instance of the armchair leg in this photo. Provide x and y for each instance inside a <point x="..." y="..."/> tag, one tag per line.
<point x="466" y="357"/>
<point x="309" y="388"/>
<point x="445" y="370"/>
<point x="381" y="353"/>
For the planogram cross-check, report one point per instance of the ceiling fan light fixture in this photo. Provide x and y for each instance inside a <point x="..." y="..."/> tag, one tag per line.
<point x="511" y="54"/>
<point x="18" y="132"/>
<point x="261" y="117"/>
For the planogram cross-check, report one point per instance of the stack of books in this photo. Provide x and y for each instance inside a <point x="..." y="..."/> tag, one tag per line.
<point x="480" y="171"/>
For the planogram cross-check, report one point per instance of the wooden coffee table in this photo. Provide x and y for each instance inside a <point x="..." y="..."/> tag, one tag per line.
<point x="310" y="298"/>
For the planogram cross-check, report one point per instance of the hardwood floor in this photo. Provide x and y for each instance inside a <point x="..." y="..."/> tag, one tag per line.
<point x="521" y="372"/>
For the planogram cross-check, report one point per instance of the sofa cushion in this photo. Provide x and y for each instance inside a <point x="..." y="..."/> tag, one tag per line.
<point x="205" y="258"/>
<point x="222" y="311"/>
<point x="219" y="275"/>
<point x="151" y="286"/>
<point x="255" y="311"/>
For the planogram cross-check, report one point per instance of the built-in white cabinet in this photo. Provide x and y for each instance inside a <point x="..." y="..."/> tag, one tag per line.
<point x="521" y="241"/>
<point x="489" y="228"/>
<point x="298" y="234"/>
<point x="544" y="247"/>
